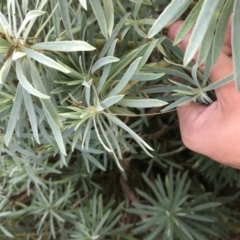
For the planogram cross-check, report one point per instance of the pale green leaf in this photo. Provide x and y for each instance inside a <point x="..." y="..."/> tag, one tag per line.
<point x="30" y="15"/>
<point x="14" y="114"/>
<point x="32" y="22"/>
<point x="108" y="102"/>
<point x="4" y="214"/>
<point x="126" y="78"/>
<point x="6" y="232"/>
<point x="113" y="36"/>
<point x="200" y="29"/>
<point x="31" y="114"/>
<point x="47" y="103"/>
<point x="4" y="71"/>
<point x="219" y="83"/>
<point x="170" y="14"/>
<point x="4" y="24"/>
<point x="63" y="46"/>
<point x="209" y="35"/>
<point x="142" y="76"/>
<point x="149" y="50"/>
<point x="24" y="6"/>
<point x="141" y="103"/>
<point x="56" y="132"/>
<point x="102" y="62"/>
<point x="56" y="16"/>
<point x="25" y="83"/>
<point x="177" y="103"/>
<point x="235" y="42"/>
<point x="189" y="22"/>
<point x="109" y="13"/>
<point x="17" y="55"/>
<point x="94" y="161"/>
<point x="83" y="4"/>
<point x="106" y="68"/>
<point x="64" y="10"/>
<point x="205" y="206"/>
<point x="98" y="134"/>
<point x="139" y="140"/>
<point x="47" y="61"/>
<point x="221" y="30"/>
<point x="99" y="14"/>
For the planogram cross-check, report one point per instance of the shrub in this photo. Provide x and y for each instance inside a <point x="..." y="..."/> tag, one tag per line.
<point x="88" y="125"/>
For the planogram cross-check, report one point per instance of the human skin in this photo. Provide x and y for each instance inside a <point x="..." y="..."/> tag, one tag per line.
<point x="213" y="130"/>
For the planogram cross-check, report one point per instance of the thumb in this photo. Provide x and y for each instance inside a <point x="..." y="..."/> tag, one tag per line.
<point x="190" y="112"/>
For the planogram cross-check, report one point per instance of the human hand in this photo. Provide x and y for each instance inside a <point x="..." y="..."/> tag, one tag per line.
<point x="213" y="130"/>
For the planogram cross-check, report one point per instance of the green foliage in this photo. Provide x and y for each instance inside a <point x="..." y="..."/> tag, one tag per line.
<point x="83" y="88"/>
<point x="173" y="214"/>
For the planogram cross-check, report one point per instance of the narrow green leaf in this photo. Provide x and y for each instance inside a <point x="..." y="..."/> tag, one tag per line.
<point x="102" y="62"/>
<point x="4" y="71"/>
<point x="106" y="68"/>
<point x="205" y="206"/>
<point x="141" y="142"/>
<point x="94" y="161"/>
<point x="64" y="10"/>
<point x="83" y="3"/>
<point x="47" y="103"/>
<point x="98" y="135"/>
<point x="28" y="28"/>
<point x="114" y="136"/>
<point x="171" y="72"/>
<point x="56" y="132"/>
<point x="189" y="22"/>
<point x="109" y="13"/>
<point x="147" y="53"/>
<point x="170" y="14"/>
<point x="99" y="14"/>
<point x="4" y="23"/>
<point x="198" y="218"/>
<point x="56" y="17"/>
<point x="235" y="42"/>
<point x="108" y="102"/>
<point x="219" y="83"/>
<point x="113" y="36"/>
<point x="142" y="76"/>
<point x="41" y="58"/>
<point x="141" y="103"/>
<point x="25" y="84"/>
<point x="177" y="103"/>
<point x="122" y="64"/>
<point x="4" y="214"/>
<point x="31" y="114"/>
<point x="221" y="30"/>
<point x="87" y="134"/>
<point x="17" y="55"/>
<point x="102" y="222"/>
<point x="126" y="78"/>
<point x="140" y="32"/>
<point x="209" y="35"/>
<point x="6" y="232"/>
<point x="200" y="29"/>
<point x="63" y="46"/>
<point x="14" y="114"/>
<point x="30" y="15"/>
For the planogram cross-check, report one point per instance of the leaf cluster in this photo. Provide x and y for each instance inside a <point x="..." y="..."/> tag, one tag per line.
<point x="83" y="88"/>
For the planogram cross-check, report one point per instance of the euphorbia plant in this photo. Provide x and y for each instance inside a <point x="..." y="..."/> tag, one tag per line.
<point x="80" y="82"/>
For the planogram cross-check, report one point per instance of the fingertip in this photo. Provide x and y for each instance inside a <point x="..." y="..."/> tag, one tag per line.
<point x="174" y="29"/>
